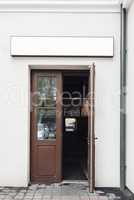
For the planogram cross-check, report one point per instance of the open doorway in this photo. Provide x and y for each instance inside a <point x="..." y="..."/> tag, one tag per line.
<point x="75" y="126"/>
<point x="67" y="140"/>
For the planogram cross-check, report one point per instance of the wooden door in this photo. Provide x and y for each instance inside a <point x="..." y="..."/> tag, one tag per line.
<point x="91" y="129"/>
<point x="46" y="127"/>
<point x="88" y="110"/>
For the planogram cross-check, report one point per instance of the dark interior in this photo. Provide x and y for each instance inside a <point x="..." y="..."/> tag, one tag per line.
<point x="75" y="126"/>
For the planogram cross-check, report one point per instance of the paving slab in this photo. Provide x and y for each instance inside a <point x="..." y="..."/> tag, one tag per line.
<point x="62" y="191"/>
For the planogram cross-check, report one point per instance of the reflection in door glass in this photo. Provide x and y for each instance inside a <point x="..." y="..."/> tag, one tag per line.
<point x="46" y="124"/>
<point x="47" y="91"/>
<point x="46" y="111"/>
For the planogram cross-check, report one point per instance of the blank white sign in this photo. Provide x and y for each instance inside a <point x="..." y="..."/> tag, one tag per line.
<point x="62" y="46"/>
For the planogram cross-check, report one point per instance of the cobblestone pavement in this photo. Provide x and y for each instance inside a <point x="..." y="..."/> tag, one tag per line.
<point x="63" y="191"/>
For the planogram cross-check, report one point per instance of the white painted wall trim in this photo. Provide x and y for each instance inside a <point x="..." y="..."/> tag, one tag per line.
<point x="62" y="46"/>
<point x="73" y="6"/>
<point x="126" y="3"/>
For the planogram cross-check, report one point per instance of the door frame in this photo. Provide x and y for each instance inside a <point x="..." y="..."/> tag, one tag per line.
<point x="53" y="68"/>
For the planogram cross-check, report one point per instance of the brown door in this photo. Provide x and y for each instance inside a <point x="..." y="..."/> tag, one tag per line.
<point x="88" y="110"/>
<point x="91" y="129"/>
<point x="46" y="127"/>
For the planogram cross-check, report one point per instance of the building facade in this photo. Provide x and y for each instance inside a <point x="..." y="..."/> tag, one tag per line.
<point x="26" y="20"/>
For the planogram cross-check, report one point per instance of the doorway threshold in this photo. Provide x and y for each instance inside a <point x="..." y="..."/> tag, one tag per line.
<point x="84" y="182"/>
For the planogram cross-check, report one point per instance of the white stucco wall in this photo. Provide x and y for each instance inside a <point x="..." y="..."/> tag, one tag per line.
<point x="15" y="82"/>
<point x="130" y="99"/>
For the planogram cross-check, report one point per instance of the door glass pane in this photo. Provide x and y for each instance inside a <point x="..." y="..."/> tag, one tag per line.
<point x="46" y="109"/>
<point x="46" y="91"/>
<point x="46" y="124"/>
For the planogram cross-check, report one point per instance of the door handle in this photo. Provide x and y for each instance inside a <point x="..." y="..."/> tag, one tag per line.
<point x="96" y="138"/>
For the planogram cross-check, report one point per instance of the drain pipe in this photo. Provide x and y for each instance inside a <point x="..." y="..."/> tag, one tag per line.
<point x="123" y="100"/>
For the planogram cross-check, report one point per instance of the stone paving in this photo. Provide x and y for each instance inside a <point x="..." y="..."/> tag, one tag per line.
<point x="63" y="191"/>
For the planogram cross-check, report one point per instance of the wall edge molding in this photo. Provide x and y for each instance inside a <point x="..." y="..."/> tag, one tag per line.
<point x="127" y="3"/>
<point x="59" y="7"/>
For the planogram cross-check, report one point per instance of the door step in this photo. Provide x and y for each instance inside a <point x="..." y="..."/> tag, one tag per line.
<point x="83" y="182"/>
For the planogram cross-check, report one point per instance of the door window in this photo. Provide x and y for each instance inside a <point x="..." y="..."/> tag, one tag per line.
<point x="46" y="111"/>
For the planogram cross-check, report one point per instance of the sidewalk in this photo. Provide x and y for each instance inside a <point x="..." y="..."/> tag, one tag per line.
<point x="63" y="191"/>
